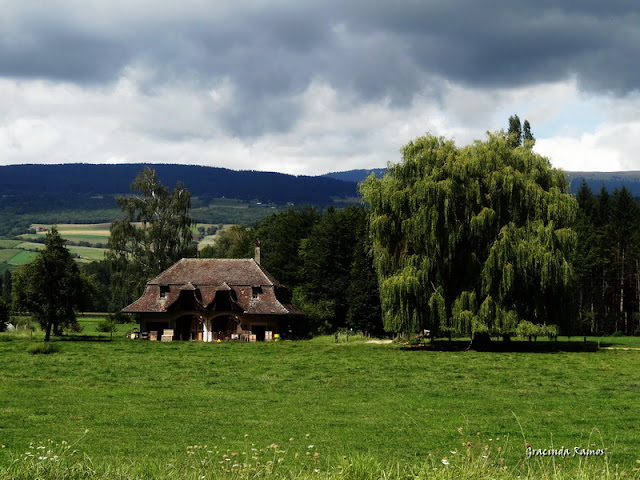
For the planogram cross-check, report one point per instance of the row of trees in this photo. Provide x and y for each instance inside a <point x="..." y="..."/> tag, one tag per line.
<point x="480" y="240"/>
<point x="607" y="262"/>
<point x="322" y="257"/>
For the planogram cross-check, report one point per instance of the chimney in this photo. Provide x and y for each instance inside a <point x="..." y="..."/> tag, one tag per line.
<point x="257" y="252"/>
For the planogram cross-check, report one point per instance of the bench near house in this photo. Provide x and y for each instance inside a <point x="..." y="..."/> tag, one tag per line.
<point x="206" y="299"/>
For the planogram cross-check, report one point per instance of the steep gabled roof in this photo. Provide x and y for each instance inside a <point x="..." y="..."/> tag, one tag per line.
<point x="215" y="271"/>
<point x="208" y="278"/>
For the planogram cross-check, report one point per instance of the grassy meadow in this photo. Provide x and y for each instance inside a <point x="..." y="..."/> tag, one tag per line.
<point x="156" y="407"/>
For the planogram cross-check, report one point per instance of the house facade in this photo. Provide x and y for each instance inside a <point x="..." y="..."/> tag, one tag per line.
<point x="206" y="299"/>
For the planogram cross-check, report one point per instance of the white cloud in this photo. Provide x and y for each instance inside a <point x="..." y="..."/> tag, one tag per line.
<point x="180" y="122"/>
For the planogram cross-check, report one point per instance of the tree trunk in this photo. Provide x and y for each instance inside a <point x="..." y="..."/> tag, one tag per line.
<point x="480" y="341"/>
<point x="621" y="290"/>
<point x="47" y="334"/>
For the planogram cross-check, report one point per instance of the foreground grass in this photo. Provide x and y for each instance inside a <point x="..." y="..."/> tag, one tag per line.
<point x="147" y="404"/>
<point x="291" y="461"/>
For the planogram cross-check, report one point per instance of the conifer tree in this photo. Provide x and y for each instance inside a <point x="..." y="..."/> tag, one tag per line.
<point x="527" y="136"/>
<point x="587" y="261"/>
<point x="515" y="131"/>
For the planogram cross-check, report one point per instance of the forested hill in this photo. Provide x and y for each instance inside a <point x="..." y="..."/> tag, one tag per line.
<point x="90" y="179"/>
<point x="356" y="175"/>
<point x="29" y="181"/>
<point x="596" y="180"/>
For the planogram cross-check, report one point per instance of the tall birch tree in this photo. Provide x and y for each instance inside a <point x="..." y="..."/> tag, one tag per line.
<point x="154" y="234"/>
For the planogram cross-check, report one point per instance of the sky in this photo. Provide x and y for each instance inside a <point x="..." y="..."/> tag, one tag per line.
<point x="315" y="86"/>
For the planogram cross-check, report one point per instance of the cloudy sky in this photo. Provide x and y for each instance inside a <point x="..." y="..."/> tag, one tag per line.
<point x="313" y="86"/>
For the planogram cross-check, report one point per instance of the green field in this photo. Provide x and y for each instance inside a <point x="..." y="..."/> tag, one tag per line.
<point x="22" y="257"/>
<point x="89" y="254"/>
<point x="15" y="252"/>
<point x="94" y="233"/>
<point x="7" y="254"/>
<point x="212" y="239"/>
<point x="9" y="243"/>
<point x="150" y="402"/>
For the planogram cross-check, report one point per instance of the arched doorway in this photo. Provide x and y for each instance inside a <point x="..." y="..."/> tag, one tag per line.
<point x="188" y="327"/>
<point x="224" y="326"/>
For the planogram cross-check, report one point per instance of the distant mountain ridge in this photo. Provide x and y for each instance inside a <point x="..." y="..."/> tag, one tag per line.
<point x="596" y="180"/>
<point x="213" y="182"/>
<point x="356" y="176"/>
<point x="77" y="180"/>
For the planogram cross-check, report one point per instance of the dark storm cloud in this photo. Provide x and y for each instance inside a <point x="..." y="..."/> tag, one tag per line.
<point x="371" y="50"/>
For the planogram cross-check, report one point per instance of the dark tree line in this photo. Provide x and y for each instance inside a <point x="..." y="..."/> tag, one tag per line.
<point x="322" y="257"/>
<point x="607" y="262"/>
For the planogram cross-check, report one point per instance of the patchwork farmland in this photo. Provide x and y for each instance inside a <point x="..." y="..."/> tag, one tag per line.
<point x="87" y="242"/>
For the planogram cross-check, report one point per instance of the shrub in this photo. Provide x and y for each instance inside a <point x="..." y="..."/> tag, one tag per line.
<point x="107" y="325"/>
<point x="75" y="327"/>
<point x="119" y="317"/>
<point x="44" y="348"/>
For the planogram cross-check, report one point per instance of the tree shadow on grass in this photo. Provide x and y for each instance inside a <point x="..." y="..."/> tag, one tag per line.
<point x="83" y="338"/>
<point x="501" y="346"/>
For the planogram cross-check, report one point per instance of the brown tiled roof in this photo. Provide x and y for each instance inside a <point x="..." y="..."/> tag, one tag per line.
<point x="207" y="277"/>
<point x="215" y="271"/>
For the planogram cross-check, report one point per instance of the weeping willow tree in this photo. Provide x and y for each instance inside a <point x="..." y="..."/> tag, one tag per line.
<point x="471" y="240"/>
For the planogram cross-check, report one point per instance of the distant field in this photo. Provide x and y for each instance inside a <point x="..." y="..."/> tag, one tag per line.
<point x="7" y="253"/>
<point x="15" y="252"/>
<point x="93" y="233"/>
<point x="91" y="254"/>
<point x="30" y="246"/>
<point x="22" y="257"/>
<point x="212" y="239"/>
<point x="9" y="243"/>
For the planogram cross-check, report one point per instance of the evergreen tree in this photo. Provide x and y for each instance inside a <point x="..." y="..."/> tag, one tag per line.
<point x="281" y="236"/>
<point x="7" y="285"/>
<point x="4" y="314"/>
<point x="606" y="272"/>
<point x="625" y="216"/>
<point x="515" y="131"/>
<point x="363" y="295"/>
<point x="587" y="262"/>
<point x="471" y="240"/>
<point x="527" y="136"/>
<point x="51" y="287"/>
<point x="327" y="256"/>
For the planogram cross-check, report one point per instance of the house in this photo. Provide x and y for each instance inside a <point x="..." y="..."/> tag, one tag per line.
<point x="208" y="299"/>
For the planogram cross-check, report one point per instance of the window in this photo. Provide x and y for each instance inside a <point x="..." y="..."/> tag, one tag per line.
<point x="255" y="292"/>
<point x="163" y="290"/>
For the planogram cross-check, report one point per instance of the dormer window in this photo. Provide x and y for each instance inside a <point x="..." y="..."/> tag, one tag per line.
<point x="164" y="289"/>
<point x="255" y="292"/>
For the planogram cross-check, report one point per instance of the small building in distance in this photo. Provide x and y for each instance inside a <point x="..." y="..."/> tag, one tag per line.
<point x="210" y="299"/>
